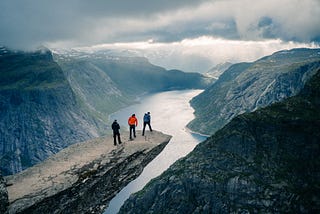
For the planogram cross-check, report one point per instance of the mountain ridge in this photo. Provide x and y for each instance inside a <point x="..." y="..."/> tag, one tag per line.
<point x="266" y="161"/>
<point x="247" y="87"/>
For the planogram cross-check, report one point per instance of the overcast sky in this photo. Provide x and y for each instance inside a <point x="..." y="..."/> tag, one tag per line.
<point x="73" y="23"/>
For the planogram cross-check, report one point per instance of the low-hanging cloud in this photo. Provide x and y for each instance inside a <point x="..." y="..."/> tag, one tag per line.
<point x="202" y="53"/>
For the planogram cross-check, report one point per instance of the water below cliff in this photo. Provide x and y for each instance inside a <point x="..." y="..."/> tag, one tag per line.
<point x="170" y="113"/>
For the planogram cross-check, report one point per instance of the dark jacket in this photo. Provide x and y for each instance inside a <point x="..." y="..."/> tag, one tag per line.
<point x="115" y="127"/>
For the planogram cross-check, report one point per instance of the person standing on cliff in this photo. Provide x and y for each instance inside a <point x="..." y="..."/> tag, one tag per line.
<point x="146" y="121"/>
<point x="116" y="133"/>
<point x="133" y="122"/>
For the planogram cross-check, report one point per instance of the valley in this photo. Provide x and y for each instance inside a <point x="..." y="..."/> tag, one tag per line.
<point x="50" y="101"/>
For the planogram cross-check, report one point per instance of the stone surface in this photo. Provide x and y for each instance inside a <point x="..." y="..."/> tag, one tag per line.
<point x="83" y="177"/>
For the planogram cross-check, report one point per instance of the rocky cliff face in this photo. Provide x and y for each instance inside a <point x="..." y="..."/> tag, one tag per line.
<point x="262" y="162"/>
<point x="4" y="201"/>
<point x="39" y="114"/>
<point x="246" y="87"/>
<point x="83" y="177"/>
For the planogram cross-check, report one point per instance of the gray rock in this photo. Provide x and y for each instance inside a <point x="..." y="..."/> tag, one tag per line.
<point x="84" y="177"/>
<point x="4" y="201"/>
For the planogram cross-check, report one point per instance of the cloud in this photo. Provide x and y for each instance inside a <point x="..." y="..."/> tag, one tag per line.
<point x="202" y="53"/>
<point x="36" y="22"/>
<point x="30" y="23"/>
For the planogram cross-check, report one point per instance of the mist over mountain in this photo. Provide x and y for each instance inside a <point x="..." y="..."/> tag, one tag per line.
<point x="262" y="162"/>
<point x="245" y="87"/>
<point x="217" y="70"/>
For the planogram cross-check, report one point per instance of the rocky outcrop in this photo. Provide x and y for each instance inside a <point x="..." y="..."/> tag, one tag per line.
<point x="4" y="202"/>
<point x="246" y="87"/>
<point x="262" y="162"/>
<point x="83" y="177"/>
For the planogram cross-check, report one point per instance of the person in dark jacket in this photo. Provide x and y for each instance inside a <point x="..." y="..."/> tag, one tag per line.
<point x="146" y="121"/>
<point x="116" y="133"/>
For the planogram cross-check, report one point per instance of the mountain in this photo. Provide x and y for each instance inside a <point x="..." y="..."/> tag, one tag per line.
<point x="98" y="93"/>
<point x="40" y="113"/>
<point x="217" y="70"/>
<point x="132" y="75"/>
<point x="246" y="87"/>
<point x="262" y="162"/>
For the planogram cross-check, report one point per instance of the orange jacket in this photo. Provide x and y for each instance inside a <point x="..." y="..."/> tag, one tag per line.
<point x="132" y="121"/>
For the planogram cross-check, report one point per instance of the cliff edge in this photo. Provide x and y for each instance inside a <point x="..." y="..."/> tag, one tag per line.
<point x="84" y="177"/>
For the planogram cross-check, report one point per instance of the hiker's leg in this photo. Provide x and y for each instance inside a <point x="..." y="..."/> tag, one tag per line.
<point x="134" y="130"/>
<point x="144" y="127"/>
<point x="131" y="132"/>
<point x="150" y="127"/>
<point x="119" y="140"/>
<point x="114" y="139"/>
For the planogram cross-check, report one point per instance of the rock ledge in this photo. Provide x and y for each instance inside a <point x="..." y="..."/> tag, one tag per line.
<point x="84" y="177"/>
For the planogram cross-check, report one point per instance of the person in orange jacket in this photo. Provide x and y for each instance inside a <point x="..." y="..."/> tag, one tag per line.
<point x="133" y="122"/>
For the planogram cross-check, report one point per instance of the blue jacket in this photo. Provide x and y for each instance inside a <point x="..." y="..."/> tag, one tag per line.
<point x="146" y="118"/>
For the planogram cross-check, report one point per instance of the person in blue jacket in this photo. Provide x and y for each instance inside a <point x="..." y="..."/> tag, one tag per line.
<point x="146" y="121"/>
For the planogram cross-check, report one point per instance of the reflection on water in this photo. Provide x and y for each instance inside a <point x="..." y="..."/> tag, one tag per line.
<point x="170" y="113"/>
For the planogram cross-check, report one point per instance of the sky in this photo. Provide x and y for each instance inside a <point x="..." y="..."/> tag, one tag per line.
<point x="191" y="35"/>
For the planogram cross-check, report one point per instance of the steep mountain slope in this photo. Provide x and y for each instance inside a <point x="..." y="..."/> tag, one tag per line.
<point x="96" y="90"/>
<point x="262" y="162"/>
<point x="39" y="114"/>
<point x="246" y="87"/>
